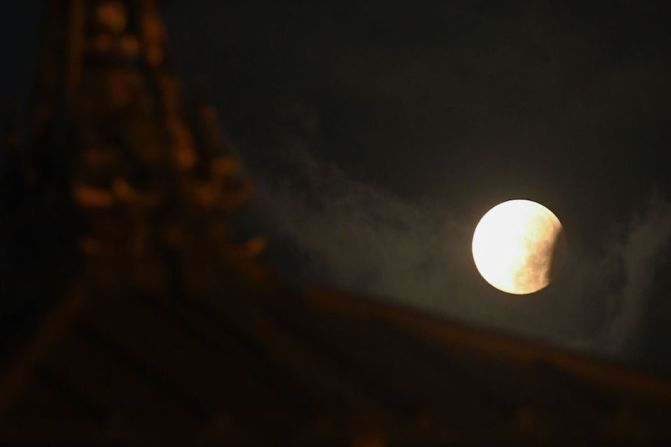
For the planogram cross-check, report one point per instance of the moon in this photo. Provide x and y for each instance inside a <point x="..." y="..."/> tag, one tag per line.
<point x="518" y="246"/>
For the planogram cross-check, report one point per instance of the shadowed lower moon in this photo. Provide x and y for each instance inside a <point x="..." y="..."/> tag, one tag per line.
<point x="518" y="246"/>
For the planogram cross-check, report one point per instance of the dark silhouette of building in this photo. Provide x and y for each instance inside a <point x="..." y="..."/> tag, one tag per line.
<point x="156" y="326"/>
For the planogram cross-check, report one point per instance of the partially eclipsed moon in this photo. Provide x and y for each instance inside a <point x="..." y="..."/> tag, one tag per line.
<point x="518" y="246"/>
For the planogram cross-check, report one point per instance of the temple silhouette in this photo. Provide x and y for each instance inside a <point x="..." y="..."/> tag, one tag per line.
<point x="138" y="315"/>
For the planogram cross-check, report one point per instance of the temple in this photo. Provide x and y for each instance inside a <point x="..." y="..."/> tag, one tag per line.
<point x="139" y="317"/>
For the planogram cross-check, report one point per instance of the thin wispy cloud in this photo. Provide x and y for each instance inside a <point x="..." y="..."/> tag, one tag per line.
<point x="362" y="238"/>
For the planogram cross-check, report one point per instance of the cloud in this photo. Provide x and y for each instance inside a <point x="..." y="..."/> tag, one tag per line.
<point x="362" y="238"/>
<point x="638" y="253"/>
<point x="365" y="239"/>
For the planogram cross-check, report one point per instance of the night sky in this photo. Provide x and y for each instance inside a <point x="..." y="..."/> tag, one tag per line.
<point x="378" y="133"/>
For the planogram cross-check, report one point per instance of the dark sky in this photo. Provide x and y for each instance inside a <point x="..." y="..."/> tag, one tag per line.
<point x="19" y="37"/>
<point x="379" y="132"/>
